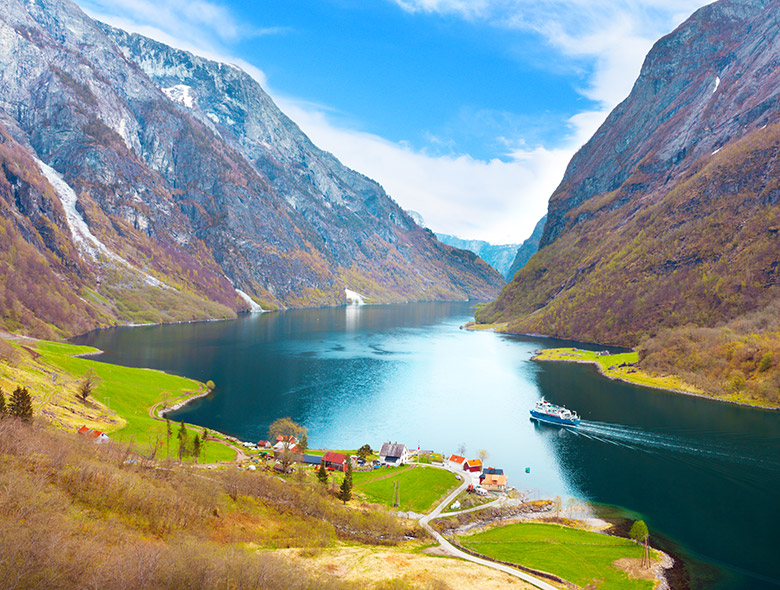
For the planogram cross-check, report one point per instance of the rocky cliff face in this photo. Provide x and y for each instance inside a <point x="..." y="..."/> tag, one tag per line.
<point x="499" y="256"/>
<point x="527" y="249"/>
<point x="669" y="214"/>
<point x="183" y="188"/>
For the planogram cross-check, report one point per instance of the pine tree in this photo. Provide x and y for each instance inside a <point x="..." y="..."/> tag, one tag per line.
<point x="182" y="436"/>
<point x="345" y="491"/>
<point x="322" y="473"/>
<point x="168" y="433"/>
<point x="196" y="446"/>
<point x="21" y="404"/>
<point x="3" y="409"/>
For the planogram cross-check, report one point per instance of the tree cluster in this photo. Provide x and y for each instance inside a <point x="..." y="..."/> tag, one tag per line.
<point x="19" y="405"/>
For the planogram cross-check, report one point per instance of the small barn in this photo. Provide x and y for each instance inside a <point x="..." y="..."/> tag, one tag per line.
<point x="473" y="465"/>
<point x="311" y="459"/>
<point x="393" y="454"/>
<point x="95" y="435"/>
<point x="334" y="460"/>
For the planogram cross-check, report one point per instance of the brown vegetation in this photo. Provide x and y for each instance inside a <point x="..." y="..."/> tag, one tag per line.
<point x="740" y="358"/>
<point x="76" y="514"/>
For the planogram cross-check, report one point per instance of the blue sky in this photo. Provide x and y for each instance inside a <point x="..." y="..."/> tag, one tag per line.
<point x="466" y="111"/>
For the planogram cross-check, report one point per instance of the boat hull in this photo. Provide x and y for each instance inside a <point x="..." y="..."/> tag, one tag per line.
<point x="549" y="419"/>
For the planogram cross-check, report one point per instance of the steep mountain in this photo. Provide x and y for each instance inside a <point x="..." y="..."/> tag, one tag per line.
<point x="669" y="215"/>
<point x="499" y="256"/>
<point x="527" y="249"/>
<point x="173" y="188"/>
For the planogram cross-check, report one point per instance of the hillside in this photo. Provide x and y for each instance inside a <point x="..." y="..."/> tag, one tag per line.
<point x="499" y="256"/>
<point x="669" y="215"/>
<point x="149" y="184"/>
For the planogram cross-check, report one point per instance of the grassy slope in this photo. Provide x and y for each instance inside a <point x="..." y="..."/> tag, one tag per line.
<point x="420" y="487"/>
<point x="701" y="254"/>
<point x="120" y="404"/>
<point x="608" y="366"/>
<point x="578" y="556"/>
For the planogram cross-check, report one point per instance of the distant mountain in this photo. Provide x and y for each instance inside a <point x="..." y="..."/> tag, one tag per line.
<point x="144" y="183"/>
<point x="499" y="256"/>
<point x="670" y="214"/>
<point x="527" y="249"/>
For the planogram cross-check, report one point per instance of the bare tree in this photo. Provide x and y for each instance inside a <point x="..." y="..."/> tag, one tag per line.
<point x="87" y="385"/>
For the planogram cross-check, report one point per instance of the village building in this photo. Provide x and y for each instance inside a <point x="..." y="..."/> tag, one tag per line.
<point x="311" y="459"/>
<point x="95" y="435"/>
<point x="393" y="454"/>
<point x="263" y="444"/>
<point x="473" y="465"/>
<point x="456" y="460"/>
<point x="494" y="483"/>
<point x="334" y="460"/>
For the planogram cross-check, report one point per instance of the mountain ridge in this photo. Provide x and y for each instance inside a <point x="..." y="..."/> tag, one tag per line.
<point x="196" y="179"/>
<point x="665" y="217"/>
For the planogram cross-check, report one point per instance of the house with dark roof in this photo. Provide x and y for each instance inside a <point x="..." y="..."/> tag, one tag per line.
<point x="493" y="471"/>
<point x="311" y="459"/>
<point x="334" y="460"/>
<point x="393" y="454"/>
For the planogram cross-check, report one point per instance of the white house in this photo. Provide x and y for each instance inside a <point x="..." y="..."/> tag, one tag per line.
<point x="393" y="454"/>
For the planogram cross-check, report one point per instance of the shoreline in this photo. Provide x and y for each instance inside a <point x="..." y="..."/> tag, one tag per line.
<point x="600" y="369"/>
<point x="472" y="326"/>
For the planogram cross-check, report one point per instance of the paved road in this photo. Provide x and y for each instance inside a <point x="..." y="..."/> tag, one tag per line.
<point x="455" y="552"/>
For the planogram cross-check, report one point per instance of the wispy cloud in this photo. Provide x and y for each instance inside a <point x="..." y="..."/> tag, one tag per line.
<point x="498" y="200"/>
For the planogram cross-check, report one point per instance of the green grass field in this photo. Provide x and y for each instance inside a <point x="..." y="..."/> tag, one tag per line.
<point x="130" y="392"/>
<point x="421" y="488"/>
<point x="629" y="374"/>
<point x="575" y="555"/>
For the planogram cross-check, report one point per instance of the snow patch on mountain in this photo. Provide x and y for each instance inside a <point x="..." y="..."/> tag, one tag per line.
<point x="717" y="83"/>
<point x="253" y="307"/>
<point x="182" y="94"/>
<point x="83" y="237"/>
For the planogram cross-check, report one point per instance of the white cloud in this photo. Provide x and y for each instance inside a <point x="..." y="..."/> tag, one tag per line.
<point x="495" y="200"/>
<point x="492" y="200"/>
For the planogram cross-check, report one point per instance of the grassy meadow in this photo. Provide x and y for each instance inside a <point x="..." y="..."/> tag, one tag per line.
<point x="421" y="488"/>
<point x="119" y="404"/>
<point x="582" y="557"/>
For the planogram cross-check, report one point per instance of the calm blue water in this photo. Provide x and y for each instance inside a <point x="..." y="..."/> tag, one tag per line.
<point x="705" y="475"/>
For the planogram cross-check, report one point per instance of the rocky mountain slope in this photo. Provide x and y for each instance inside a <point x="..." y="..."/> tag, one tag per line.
<point x="527" y="249"/>
<point x="499" y="256"/>
<point x="149" y="184"/>
<point x="670" y="214"/>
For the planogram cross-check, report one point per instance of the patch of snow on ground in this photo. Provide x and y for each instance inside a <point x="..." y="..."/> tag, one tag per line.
<point x="716" y="151"/>
<point x="213" y="117"/>
<point x="717" y="83"/>
<point x="354" y="298"/>
<point x="180" y="93"/>
<point x="83" y="237"/>
<point x="253" y="307"/>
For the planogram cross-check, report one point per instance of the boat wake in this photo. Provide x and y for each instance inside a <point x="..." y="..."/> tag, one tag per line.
<point x="706" y="445"/>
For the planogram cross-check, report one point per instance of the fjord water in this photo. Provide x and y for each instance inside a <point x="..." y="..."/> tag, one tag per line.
<point x="703" y="474"/>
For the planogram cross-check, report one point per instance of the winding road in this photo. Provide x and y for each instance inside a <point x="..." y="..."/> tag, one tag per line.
<point x="450" y="549"/>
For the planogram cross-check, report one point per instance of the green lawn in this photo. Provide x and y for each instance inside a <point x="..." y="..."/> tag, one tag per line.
<point x="421" y="488"/>
<point x="575" y="555"/>
<point x="130" y="392"/>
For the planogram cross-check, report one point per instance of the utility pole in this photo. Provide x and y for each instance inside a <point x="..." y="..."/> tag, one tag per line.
<point x="396" y="495"/>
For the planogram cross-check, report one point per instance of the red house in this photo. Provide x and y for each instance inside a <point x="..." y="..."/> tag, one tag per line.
<point x="473" y="465"/>
<point x="335" y="460"/>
